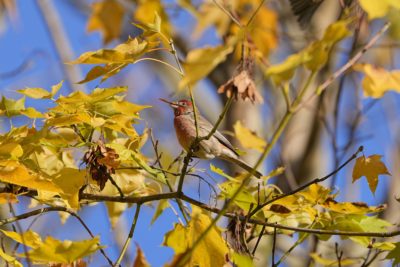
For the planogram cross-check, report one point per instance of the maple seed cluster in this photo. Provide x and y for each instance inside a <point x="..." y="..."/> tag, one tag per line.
<point x="242" y="84"/>
<point x="101" y="162"/>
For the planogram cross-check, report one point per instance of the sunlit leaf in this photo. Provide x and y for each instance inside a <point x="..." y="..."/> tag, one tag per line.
<point x="107" y="17"/>
<point x="247" y="138"/>
<point x="53" y="250"/>
<point x="378" y="81"/>
<point x="11" y="107"/>
<point x="313" y="57"/>
<point x="370" y="167"/>
<point x="201" y="61"/>
<point x="15" y="173"/>
<point x="351" y="207"/>
<point x="32" y="113"/>
<point x="377" y="9"/>
<point x="11" y="150"/>
<point x="9" y="259"/>
<point x="212" y="249"/>
<point x="152" y="17"/>
<point x="29" y="238"/>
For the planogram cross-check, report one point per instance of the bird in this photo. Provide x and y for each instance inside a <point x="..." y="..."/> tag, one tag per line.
<point x="217" y="146"/>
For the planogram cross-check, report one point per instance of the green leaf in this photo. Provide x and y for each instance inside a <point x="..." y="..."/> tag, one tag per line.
<point x="12" y="107"/>
<point x="394" y="254"/>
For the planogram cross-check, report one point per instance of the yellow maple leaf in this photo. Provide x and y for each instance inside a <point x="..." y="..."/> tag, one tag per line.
<point x="107" y="17"/>
<point x="378" y="81"/>
<point x="247" y="138"/>
<point x="212" y="249"/>
<point x="370" y="167"/>
<point x="376" y="9"/>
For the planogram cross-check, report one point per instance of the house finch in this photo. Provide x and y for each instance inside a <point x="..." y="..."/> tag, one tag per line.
<point x="216" y="146"/>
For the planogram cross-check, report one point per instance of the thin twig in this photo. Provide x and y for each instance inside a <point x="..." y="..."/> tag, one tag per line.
<point x="130" y="236"/>
<point x="144" y="199"/>
<point x="223" y="9"/>
<point x="258" y="240"/>
<point x="178" y="201"/>
<point x="273" y="248"/>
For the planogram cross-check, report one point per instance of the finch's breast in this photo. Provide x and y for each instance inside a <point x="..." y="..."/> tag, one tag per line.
<point x="185" y="130"/>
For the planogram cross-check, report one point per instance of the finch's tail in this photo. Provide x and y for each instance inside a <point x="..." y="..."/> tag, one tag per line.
<point x="244" y="166"/>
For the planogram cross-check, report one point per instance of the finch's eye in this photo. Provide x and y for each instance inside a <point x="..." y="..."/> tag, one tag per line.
<point x="183" y="103"/>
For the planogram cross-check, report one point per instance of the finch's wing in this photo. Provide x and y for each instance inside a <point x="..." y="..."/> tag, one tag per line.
<point x="205" y="127"/>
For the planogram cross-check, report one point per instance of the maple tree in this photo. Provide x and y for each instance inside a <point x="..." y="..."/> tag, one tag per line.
<point x="91" y="148"/>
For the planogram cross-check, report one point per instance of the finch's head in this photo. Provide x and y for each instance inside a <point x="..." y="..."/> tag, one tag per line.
<point x="181" y="107"/>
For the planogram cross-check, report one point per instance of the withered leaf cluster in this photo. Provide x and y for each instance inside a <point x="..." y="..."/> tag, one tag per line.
<point x="242" y="84"/>
<point x="101" y="162"/>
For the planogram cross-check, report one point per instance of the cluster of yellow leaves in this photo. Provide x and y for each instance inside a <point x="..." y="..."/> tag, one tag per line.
<point x="313" y="57"/>
<point x="42" y="159"/>
<point x="377" y="80"/>
<point x="49" y="250"/>
<point x="115" y="59"/>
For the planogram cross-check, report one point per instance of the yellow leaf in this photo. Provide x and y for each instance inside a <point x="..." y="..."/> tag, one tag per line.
<point x="140" y="260"/>
<point x="370" y="167"/>
<point x="127" y="52"/>
<point x="378" y="81"/>
<point x="128" y="108"/>
<point x="11" y="150"/>
<point x="247" y="138"/>
<point x="376" y="9"/>
<point x="201" y="61"/>
<point x="212" y="249"/>
<point x="70" y="181"/>
<point x="107" y="17"/>
<point x="36" y="93"/>
<point x="8" y="198"/>
<point x="313" y="57"/>
<point x="32" y="113"/>
<point x="332" y="262"/>
<point x="29" y="238"/>
<point x="12" y="107"/>
<point x="15" y="173"/>
<point x="351" y="207"/>
<point x="9" y="259"/>
<point x="40" y="93"/>
<point x="150" y="14"/>
<point x="56" y="251"/>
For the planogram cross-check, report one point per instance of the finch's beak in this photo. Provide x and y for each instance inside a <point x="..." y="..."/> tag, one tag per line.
<point x="172" y="104"/>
